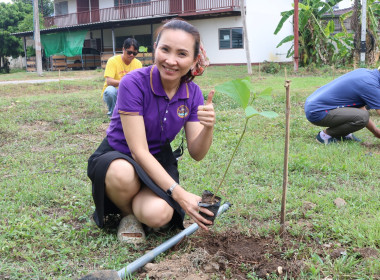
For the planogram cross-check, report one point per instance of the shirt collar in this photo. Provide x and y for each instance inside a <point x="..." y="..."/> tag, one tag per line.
<point x="157" y="88"/>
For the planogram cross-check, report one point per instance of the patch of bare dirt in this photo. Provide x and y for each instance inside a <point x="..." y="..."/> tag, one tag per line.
<point x="367" y="253"/>
<point x="229" y="255"/>
<point x="373" y="148"/>
<point x="18" y="90"/>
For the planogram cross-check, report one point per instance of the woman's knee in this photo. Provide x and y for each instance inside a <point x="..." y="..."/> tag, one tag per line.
<point x="121" y="176"/>
<point x="154" y="212"/>
<point x="156" y="217"/>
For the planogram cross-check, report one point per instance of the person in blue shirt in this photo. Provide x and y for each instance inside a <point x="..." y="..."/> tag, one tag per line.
<point x="342" y="104"/>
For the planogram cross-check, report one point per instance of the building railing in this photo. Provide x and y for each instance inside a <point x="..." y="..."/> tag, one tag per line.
<point x="144" y="10"/>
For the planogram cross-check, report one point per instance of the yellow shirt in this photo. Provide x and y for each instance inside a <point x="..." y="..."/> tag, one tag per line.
<point x="116" y="68"/>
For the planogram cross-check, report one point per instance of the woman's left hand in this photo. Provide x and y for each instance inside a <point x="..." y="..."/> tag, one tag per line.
<point x="189" y="203"/>
<point x="206" y="113"/>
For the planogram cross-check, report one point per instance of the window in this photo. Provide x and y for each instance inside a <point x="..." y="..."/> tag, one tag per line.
<point x="121" y="2"/>
<point x="61" y="8"/>
<point x="143" y="40"/>
<point x="119" y="41"/>
<point x="126" y="2"/>
<point x="231" y="38"/>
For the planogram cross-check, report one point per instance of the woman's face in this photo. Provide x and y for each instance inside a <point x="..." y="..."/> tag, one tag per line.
<point x="174" y="54"/>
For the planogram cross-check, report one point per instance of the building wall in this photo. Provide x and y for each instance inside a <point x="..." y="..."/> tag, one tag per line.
<point x="345" y="4"/>
<point x="16" y="63"/>
<point x="262" y="19"/>
<point x="209" y="30"/>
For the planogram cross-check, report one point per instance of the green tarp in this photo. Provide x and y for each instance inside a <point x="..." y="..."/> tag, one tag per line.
<point x="64" y="43"/>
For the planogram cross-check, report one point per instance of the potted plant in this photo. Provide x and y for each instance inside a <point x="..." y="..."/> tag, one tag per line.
<point x="242" y="92"/>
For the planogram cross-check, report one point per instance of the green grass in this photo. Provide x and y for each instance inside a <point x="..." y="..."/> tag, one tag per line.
<point x="48" y="131"/>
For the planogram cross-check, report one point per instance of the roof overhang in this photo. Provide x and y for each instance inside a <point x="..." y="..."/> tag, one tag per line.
<point x="99" y="25"/>
<point x="131" y="22"/>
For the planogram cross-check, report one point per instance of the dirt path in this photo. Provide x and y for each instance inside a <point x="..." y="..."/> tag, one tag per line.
<point x="41" y="81"/>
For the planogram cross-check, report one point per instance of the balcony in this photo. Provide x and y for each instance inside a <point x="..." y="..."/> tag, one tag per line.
<point x="154" y="8"/>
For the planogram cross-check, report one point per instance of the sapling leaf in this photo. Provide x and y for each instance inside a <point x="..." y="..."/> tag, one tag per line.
<point x="237" y="89"/>
<point x="250" y="112"/>
<point x="266" y="94"/>
<point x="248" y="83"/>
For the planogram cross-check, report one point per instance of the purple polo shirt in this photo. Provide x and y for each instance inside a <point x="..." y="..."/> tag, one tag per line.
<point x="141" y="92"/>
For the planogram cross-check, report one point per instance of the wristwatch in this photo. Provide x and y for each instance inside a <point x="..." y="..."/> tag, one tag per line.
<point x="170" y="190"/>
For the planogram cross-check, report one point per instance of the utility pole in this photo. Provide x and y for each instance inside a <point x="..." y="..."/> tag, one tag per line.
<point x="295" y="22"/>
<point x="37" y="38"/>
<point x="245" y="35"/>
<point x="363" y="32"/>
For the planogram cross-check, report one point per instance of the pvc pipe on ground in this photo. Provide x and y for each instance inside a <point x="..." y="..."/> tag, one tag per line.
<point x="143" y="260"/>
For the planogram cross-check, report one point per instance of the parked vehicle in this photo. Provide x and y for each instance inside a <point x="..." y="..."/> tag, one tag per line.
<point x="90" y="59"/>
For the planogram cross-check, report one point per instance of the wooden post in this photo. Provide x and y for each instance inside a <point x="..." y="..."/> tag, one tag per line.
<point x="26" y="54"/>
<point x="37" y="39"/>
<point x="245" y="35"/>
<point x="286" y="157"/>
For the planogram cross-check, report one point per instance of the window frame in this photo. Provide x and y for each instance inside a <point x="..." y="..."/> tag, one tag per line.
<point x="230" y="40"/>
<point x="58" y="7"/>
<point x="129" y="2"/>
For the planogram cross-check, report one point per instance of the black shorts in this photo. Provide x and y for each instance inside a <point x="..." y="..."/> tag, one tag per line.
<point x="97" y="168"/>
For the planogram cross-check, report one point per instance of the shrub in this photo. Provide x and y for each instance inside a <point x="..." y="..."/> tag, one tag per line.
<point x="270" y="67"/>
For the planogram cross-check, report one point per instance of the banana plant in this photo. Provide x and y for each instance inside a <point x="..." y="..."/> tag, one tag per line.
<point x="242" y="92"/>
<point x="317" y="41"/>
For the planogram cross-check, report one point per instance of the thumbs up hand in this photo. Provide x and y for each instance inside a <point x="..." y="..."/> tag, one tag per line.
<point x="206" y="113"/>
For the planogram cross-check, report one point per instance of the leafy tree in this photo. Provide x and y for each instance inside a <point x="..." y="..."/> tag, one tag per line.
<point x="46" y="7"/>
<point x="317" y="42"/>
<point x="27" y="24"/>
<point x="14" y="17"/>
<point x="10" y="15"/>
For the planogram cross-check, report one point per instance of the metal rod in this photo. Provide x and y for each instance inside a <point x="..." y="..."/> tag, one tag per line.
<point x="134" y="266"/>
<point x="363" y="33"/>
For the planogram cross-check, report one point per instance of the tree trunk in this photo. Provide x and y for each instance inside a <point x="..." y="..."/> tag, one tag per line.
<point x="245" y="35"/>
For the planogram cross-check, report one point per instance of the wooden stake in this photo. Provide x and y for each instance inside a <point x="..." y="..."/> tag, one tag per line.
<point x="286" y="158"/>
<point x="259" y="72"/>
<point x="59" y="79"/>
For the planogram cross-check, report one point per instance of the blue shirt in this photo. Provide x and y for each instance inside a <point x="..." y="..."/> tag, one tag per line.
<point x="354" y="89"/>
<point x="141" y="92"/>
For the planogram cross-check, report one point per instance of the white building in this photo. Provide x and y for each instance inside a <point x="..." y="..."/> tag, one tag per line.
<point x="220" y="24"/>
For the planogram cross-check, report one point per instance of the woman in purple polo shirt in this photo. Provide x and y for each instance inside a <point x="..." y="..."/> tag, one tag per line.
<point x="134" y="173"/>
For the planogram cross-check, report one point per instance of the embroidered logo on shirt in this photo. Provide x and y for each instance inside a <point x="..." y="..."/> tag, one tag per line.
<point x="182" y="111"/>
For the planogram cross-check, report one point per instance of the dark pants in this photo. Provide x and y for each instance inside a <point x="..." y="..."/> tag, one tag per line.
<point x="343" y="121"/>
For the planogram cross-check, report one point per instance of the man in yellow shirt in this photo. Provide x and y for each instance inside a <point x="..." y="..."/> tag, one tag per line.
<point x="117" y="66"/>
